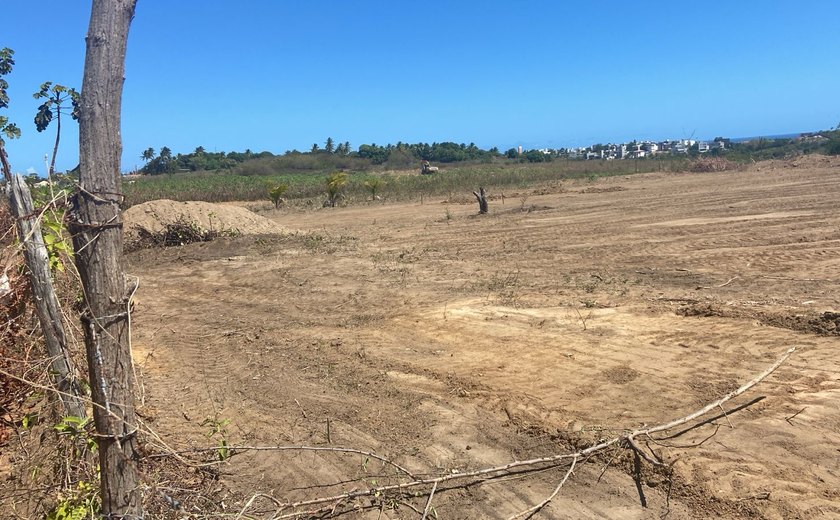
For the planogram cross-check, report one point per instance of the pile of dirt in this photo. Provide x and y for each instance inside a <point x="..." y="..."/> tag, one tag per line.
<point x="151" y="218"/>
<point x="799" y="162"/>
<point x="824" y="324"/>
<point x="713" y="164"/>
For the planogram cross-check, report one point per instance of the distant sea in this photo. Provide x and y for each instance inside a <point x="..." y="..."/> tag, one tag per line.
<point x="753" y="138"/>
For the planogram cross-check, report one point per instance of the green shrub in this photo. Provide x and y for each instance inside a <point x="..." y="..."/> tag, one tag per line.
<point x="276" y="192"/>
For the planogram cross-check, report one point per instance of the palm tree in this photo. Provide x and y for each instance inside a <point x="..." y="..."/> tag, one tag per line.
<point x="148" y="154"/>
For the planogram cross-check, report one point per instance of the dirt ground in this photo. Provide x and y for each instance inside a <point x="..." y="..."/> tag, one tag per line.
<point x="449" y="341"/>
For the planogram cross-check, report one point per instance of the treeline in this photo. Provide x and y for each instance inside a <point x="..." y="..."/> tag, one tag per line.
<point x="330" y="156"/>
<point x="198" y="160"/>
<point x="824" y="142"/>
<point x="446" y="152"/>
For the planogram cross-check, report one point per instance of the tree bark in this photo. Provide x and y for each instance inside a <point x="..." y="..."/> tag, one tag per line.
<point x="482" y="201"/>
<point x="98" y="241"/>
<point x="57" y="139"/>
<point x="43" y="294"/>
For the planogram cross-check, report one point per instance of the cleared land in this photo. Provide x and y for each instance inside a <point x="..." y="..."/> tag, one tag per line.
<point x="448" y="341"/>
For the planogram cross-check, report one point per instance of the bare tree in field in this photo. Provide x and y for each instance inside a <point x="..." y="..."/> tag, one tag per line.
<point x="98" y="240"/>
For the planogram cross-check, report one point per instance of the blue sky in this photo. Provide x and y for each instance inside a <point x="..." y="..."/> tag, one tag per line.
<point x="277" y="74"/>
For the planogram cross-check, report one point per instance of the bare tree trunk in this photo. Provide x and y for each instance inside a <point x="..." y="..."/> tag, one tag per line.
<point x="482" y="201"/>
<point x="98" y="240"/>
<point x="57" y="138"/>
<point x="43" y="294"/>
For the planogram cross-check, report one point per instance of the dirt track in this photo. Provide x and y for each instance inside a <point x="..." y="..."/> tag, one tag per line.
<point x="461" y="342"/>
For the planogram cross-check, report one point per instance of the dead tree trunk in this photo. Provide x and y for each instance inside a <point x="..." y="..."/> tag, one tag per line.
<point x="98" y="241"/>
<point x="46" y="303"/>
<point x="482" y="201"/>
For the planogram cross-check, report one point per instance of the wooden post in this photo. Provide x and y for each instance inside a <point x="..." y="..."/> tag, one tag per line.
<point x="482" y="201"/>
<point x="43" y="294"/>
<point x="98" y="241"/>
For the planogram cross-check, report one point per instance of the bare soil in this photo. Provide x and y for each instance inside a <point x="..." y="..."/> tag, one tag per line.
<point x="152" y="217"/>
<point x="449" y="341"/>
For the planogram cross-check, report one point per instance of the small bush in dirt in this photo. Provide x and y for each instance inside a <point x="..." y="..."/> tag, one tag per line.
<point x="276" y="192"/>
<point x="712" y="164"/>
<point x="373" y="186"/>
<point x="335" y="186"/>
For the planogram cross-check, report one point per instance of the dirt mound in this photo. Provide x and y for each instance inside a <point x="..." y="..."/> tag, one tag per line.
<point x="799" y="161"/>
<point x="825" y="324"/>
<point x="152" y="217"/>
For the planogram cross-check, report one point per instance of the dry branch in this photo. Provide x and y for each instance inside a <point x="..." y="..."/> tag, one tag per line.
<point x="429" y="502"/>
<point x="545" y="502"/>
<point x="236" y="449"/>
<point x="627" y="440"/>
<point x="46" y="302"/>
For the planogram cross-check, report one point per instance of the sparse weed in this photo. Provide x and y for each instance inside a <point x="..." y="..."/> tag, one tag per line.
<point x="218" y="429"/>
<point x="506" y="288"/>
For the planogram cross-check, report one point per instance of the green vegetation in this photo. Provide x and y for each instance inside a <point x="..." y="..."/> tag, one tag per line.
<point x="370" y="171"/>
<point x="309" y="187"/>
<point x="275" y="194"/>
<point x="374" y="185"/>
<point x="826" y="142"/>
<point x="336" y="183"/>
<point x="10" y="130"/>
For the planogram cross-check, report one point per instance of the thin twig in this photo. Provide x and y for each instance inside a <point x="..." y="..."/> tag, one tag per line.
<point x="790" y="419"/>
<point x="301" y="408"/>
<point x="429" y="502"/>
<point x="729" y="281"/>
<point x="727" y="417"/>
<point x="545" y="502"/>
<point x="631" y="441"/>
<point x="287" y="448"/>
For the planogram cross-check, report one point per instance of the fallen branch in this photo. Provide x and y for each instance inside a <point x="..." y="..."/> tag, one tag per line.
<point x="429" y="502"/>
<point x="545" y="502"/>
<point x="628" y="439"/>
<point x="235" y="449"/>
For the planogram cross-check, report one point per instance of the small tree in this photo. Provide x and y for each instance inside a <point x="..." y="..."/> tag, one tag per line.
<point x="373" y="185"/>
<point x="10" y="130"/>
<point x="57" y="96"/>
<point x="329" y="146"/>
<point x="335" y="186"/>
<point x="275" y="193"/>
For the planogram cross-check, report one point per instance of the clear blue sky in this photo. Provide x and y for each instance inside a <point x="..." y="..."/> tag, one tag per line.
<point x="280" y="74"/>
